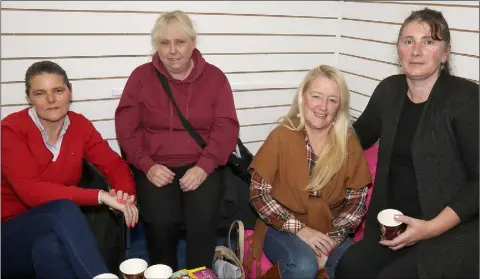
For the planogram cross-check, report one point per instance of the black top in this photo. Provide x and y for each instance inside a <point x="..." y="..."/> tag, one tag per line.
<point x="403" y="192"/>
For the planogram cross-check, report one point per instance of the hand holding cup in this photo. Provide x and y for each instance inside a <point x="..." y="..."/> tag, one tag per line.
<point x="389" y="227"/>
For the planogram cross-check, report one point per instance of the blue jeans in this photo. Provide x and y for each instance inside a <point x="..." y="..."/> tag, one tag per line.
<point x="336" y="255"/>
<point x="53" y="240"/>
<point x="295" y="258"/>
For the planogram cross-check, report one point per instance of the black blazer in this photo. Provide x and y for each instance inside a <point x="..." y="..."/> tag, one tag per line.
<point x="445" y="154"/>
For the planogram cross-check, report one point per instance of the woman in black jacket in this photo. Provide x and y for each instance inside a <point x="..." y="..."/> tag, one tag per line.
<point x="427" y="122"/>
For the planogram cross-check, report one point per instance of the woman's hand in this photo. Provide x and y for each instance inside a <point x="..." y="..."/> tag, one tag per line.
<point x="128" y="207"/>
<point x="319" y="242"/>
<point x="416" y="231"/>
<point x="131" y="214"/>
<point x="192" y="179"/>
<point x="121" y="196"/>
<point x="322" y="260"/>
<point x="160" y="175"/>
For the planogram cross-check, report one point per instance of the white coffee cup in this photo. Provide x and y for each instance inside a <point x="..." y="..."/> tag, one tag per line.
<point x="106" y="276"/>
<point x="158" y="271"/>
<point x="389" y="227"/>
<point x="133" y="268"/>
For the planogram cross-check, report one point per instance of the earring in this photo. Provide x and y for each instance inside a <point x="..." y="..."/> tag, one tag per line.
<point x="298" y="115"/>
<point x="399" y="64"/>
<point x="442" y="65"/>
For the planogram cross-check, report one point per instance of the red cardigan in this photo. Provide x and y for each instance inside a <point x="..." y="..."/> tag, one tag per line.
<point x="30" y="178"/>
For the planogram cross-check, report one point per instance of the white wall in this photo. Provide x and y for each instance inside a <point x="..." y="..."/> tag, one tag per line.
<point x="264" y="47"/>
<point x="367" y="52"/>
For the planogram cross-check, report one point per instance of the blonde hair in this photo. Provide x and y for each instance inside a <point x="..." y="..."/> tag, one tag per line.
<point x="334" y="154"/>
<point x="168" y="19"/>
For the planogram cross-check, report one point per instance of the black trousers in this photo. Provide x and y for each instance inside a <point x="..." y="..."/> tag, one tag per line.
<point x="109" y="230"/>
<point x="168" y="213"/>
<point x="107" y="226"/>
<point x="373" y="260"/>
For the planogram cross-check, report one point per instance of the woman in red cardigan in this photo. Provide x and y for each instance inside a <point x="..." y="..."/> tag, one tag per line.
<point x="44" y="232"/>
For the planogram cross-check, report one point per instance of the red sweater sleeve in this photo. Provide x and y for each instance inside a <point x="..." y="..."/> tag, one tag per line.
<point x="128" y="126"/>
<point x="23" y="174"/>
<point x="223" y="133"/>
<point x="108" y="162"/>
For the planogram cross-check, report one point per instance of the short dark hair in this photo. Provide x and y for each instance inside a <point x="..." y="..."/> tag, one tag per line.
<point x="44" y="67"/>
<point x="438" y="27"/>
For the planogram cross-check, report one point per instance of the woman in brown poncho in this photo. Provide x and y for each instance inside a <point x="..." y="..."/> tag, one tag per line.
<point x="309" y="182"/>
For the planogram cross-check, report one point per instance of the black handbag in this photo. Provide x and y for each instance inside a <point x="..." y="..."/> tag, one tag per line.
<point x="240" y="159"/>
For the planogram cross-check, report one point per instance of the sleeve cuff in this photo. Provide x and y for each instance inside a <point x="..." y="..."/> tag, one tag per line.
<point x="293" y="226"/>
<point x="99" y="201"/>
<point x="145" y="163"/>
<point x="206" y="164"/>
<point x="461" y="210"/>
<point x="88" y="197"/>
<point x="465" y="203"/>
<point x="339" y="239"/>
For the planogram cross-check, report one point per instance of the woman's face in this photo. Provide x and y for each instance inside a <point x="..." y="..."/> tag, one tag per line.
<point x="50" y="97"/>
<point x="420" y="55"/>
<point x="175" y="49"/>
<point x="321" y="103"/>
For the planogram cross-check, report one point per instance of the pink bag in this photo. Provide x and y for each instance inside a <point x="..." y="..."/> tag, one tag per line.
<point x="265" y="264"/>
<point x="371" y="155"/>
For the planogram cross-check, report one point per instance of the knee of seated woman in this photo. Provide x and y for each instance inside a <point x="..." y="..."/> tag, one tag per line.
<point x="304" y="266"/>
<point x="63" y="209"/>
<point x="47" y="246"/>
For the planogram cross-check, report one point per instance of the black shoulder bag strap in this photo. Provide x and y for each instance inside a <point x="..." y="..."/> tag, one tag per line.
<point x="233" y="160"/>
<point x="193" y="133"/>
